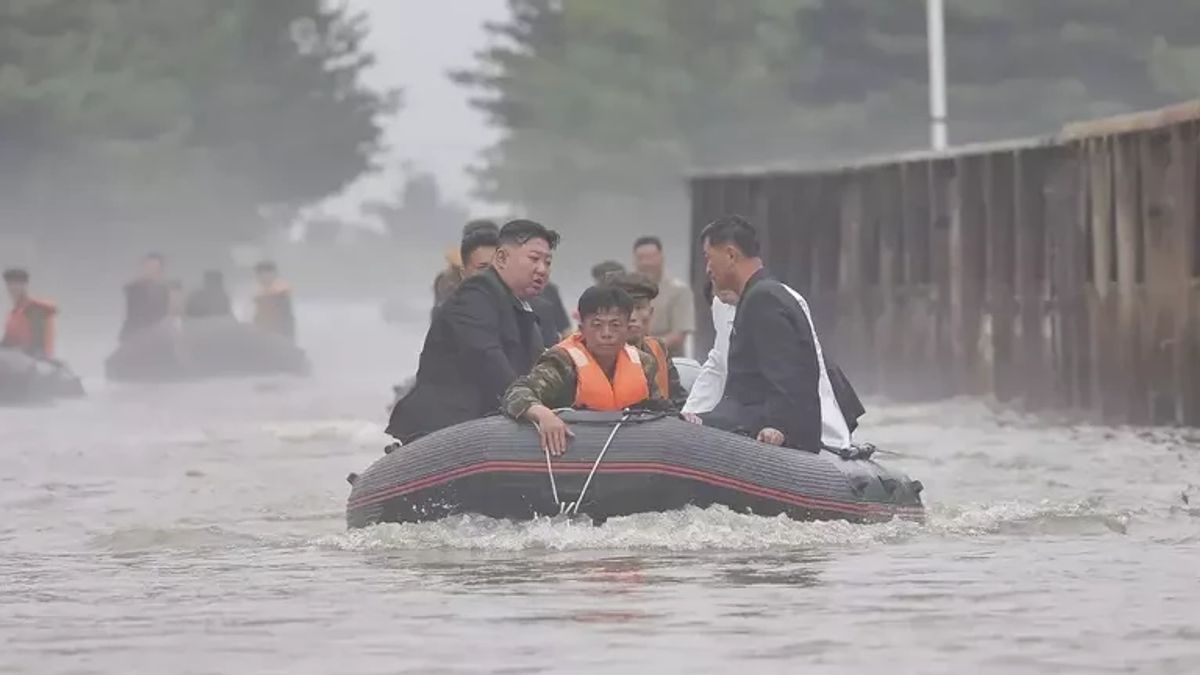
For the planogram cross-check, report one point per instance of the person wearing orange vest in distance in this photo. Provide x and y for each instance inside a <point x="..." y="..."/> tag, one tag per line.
<point x="30" y="324"/>
<point x="273" y="304"/>
<point x="643" y="291"/>
<point x="594" y="369"/>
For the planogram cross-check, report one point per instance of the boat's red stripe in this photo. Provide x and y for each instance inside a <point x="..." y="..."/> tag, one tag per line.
<point x="517" y="466"/>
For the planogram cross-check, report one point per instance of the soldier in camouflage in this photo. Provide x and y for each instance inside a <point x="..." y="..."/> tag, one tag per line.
<point x="593" y="369"/>
<point x="643" y="290"/>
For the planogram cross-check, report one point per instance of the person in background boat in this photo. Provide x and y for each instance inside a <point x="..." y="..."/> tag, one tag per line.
<point x="674" y="314"/>
<point x="176" y="302"/>
<point x="594" y="369"/>
<point x="459" y="265"/>
<point x="642" y="290"/>
<point x="210" y="300"/>
<point x="30" y="324"/>
<point x="482" y="338"/>
<point x="273" y="304"/>
<point x="777" y="388"/>
<point x="147" y="298"/>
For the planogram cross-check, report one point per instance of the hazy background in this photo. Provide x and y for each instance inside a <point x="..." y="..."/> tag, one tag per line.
<point x="351" y="140"/>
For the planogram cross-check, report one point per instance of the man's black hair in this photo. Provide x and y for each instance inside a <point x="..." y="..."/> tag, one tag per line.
<point x="16" y="275"/>
<point x="479" y="224"/>
<point x="478" y="238"/>
<point x="648" y="240"/>
<point x="599" y="298"/>
<point x="266" y="266"/>
<point x="155" y="256"/>
<point x="518" y="232"/>
<point x="601" y="270"/>
<point x="213" y="277"/>
<point x="732" y="229"/>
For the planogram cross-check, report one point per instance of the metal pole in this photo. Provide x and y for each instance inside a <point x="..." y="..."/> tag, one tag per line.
<point x="937" y="73"/>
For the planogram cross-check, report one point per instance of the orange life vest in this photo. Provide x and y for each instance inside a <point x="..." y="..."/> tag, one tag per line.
<point x="268" y="308"/>
<point x="593" y="390"/>
<point x="30" y="327"/>
<point x="661" y="376"/>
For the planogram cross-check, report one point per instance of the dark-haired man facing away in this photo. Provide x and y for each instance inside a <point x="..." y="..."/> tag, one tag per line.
<point x="594" y="369"/>
<point x="482" y="338"/>
<point x="776" y="379"/>
<point x="147" y="298"/>
<point x="674" y="310"/>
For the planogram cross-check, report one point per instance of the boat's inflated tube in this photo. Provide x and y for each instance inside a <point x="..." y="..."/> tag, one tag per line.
<point x="494" y="467"/>
<point x="24" y="379"/>
<point x="210" y="347"/>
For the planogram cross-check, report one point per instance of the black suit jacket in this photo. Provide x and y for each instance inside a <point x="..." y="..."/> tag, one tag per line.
<point x="480" y="340"/>
<point x="773" y="375"/>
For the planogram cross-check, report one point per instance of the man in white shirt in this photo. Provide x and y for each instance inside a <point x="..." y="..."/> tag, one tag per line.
<point x="709" y="386"/>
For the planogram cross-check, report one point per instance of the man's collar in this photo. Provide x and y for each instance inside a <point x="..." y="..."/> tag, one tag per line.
<point x="754" y="279"/>
<point x="494" y="277"/>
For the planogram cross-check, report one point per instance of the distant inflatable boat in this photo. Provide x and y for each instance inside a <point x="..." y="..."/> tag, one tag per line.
<point x="645" y="463"/>
<point x="202" y="348"/>
<point x="24" y="379"/>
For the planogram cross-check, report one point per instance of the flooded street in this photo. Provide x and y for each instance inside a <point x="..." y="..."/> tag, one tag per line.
<point x="199" y="528"/>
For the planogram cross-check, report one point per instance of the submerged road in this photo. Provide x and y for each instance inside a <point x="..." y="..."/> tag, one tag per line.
<point x="199" y="528"/>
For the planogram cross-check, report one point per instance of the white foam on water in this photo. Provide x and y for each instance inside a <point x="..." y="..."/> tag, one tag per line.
<point x="718" y="528"/>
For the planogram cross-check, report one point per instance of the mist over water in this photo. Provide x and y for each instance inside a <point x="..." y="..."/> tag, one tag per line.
<point x="199" y="528"/>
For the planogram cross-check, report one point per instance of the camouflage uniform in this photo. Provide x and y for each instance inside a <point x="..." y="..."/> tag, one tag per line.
<point x="552" y="383"/>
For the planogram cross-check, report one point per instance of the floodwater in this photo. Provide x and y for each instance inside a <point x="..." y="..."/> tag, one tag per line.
<point x="199" y="529"/>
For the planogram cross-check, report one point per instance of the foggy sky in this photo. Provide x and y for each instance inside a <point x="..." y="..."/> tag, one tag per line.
<point x="417" y="42"/>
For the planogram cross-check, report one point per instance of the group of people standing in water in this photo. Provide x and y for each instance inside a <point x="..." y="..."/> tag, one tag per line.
<point x="494" y="345"/>
<point x="150" y="301"/>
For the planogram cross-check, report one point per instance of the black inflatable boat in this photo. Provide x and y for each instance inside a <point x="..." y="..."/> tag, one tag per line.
<point x="212" y="347"/>
<point x="24" y="379"/>
<point x="494" y="467"/>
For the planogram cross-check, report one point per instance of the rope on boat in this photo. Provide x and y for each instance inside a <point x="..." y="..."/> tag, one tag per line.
<point x="573" y="507"/>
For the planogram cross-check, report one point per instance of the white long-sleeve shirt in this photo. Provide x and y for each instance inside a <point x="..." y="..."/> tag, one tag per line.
<point x="710" y="383"/>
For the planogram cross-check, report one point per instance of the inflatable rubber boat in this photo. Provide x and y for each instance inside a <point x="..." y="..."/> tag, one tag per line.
<point x="199" y="348"/>
<point x="620" y="464"/>
<point x="24" y="379"/>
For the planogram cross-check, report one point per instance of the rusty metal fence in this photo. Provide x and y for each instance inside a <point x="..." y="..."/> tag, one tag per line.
<point x="1058" y="273"/>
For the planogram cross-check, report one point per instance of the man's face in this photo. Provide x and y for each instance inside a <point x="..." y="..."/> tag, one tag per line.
<point x="152" y="269"/>
<point x="720" y="261"/>
<point x="639" y="321"/>
<point x="480" y="260"/>
<point x="17" y="290"/>
<point x="526" y="267"/>
<point x="605" y="332"/>
<point x="265" y="278"/>
<point x="648" y="260"/>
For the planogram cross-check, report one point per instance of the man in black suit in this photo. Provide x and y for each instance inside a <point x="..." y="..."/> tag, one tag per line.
<point x="482" y="338"/>
<point x="772" y="387"/>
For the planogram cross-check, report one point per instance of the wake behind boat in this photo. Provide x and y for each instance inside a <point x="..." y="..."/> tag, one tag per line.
<point x="652" y="462"/>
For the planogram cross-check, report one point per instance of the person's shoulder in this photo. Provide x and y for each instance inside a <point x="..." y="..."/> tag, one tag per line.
<point x="678" y="285"/>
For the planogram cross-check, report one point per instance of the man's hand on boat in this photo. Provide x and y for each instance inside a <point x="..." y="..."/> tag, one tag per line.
<point x="692" y="418"/>
<point x="553" y="432"/>
<point x="770" y="436"/>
